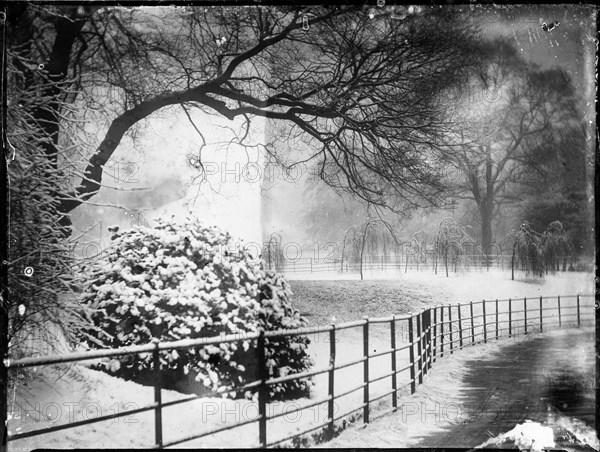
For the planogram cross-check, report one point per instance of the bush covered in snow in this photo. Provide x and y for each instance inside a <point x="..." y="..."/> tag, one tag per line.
<point x="179" y="281"/>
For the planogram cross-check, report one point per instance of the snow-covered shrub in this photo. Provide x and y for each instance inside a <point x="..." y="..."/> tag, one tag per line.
<point x="179" y="281"/>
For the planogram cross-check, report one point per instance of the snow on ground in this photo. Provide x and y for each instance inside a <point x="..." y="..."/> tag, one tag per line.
<point x="528" y="435"/>
<point x="52" y="397"/>
<point x="536" y="437"/>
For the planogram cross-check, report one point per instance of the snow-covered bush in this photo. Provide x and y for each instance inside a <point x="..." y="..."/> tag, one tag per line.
<point x="179" y="281"/>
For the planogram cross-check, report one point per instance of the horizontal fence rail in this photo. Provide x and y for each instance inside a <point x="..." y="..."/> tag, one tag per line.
<point x="431" y="333"/>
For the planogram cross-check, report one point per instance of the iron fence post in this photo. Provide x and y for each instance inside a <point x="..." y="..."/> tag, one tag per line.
<point x="509" y="317"/>
<point x="366" y="370"/>
<point x="393" y="344"/>
<point x="419" y="351"/>
<point x="442" y="331"/>
<point x="411" y="353"/>
<point x="460" y="332"/>
<point x="331" y="405"/>
<point x="472" y="325"/>
<point x="434" y="333"/>
<point x="497" y="319"/>
<point x="484" y="324"/>
<point x="428" y="350"/>
<point x="578" y="313"/>
<point x="425" y="338"/>
<point x="541" y="321"/>
<point x="559" y="318"/>
<point x="450" y="324"/>
<point x="157" y="395"/>
<point x="525" y="312"/>
<point x="262" y="390"/>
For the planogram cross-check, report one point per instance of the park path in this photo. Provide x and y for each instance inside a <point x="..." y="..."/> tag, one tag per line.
<point x="464" y="401"/>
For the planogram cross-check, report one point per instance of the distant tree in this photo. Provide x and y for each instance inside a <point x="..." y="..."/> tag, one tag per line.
<point x="506" y="108"/>
<point x="527" y="251"/>
<point x="417" y="250"/>
<point x="555" y="246"/>
<point x="555" y="185"/>
<point x="272" y="254"/>
<point x="450" y="243"/>
<point x="374" y="236"/>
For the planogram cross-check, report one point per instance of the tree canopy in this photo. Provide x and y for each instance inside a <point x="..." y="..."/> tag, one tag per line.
<point x="507" y="107"/>
<point x="352" y="85"/>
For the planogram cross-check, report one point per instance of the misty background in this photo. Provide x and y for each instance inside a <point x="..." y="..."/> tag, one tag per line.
<point x="156" y="172"/>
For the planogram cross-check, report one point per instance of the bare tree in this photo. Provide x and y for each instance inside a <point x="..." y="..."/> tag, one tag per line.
<point x="372" y="237"/>
<point x="417" y="249"/>
<point x="507" y="107"/>
<point x="451" y="242"/>
<point x="272" y="253"/>
<point x="555" y="246"/>
<point x="527" y="253"/>
<point x="351" y="85"/>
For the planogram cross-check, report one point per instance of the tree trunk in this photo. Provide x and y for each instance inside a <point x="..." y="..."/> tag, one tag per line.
<point x="4" y="294"/>
<point x="487" y="207"/>
<point x="446" y="261"/>
<point x="486" y="232"/>
<point x="512" y="262"/>
<point x="362" y="250"/>
<point x="44" y="116"/>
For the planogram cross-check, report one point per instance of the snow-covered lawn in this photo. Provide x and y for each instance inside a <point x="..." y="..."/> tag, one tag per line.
<point x="54" y="397"/>
<point x="396" y="293"/>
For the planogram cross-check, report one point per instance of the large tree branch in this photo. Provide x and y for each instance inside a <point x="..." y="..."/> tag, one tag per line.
<point x="92" y="180"/>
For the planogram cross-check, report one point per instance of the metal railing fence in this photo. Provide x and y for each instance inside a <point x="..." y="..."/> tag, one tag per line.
<point x="434" y="332"/>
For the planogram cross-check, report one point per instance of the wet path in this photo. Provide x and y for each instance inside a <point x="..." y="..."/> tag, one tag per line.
<point x="534" y="379"/>
<point x="530" y="378"/>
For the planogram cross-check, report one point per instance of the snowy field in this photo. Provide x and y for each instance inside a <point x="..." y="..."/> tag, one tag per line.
<point x="325" y="300"/>
<point x="56" y="395"/>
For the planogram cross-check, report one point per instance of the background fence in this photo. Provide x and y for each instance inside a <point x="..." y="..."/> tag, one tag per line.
<point x="408" y="263"/>
<point x="415" y="341"/>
